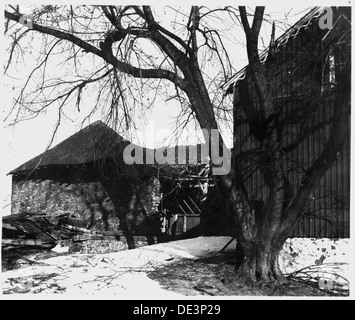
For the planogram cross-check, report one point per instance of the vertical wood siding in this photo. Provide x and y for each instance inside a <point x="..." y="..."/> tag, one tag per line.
<point x="303" y="70"/>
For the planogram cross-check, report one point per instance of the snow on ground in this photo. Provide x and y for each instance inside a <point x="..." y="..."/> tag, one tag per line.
<point x="299" y="253"/>
<point x="326" y="259"/>
<point x="123" y="274"/>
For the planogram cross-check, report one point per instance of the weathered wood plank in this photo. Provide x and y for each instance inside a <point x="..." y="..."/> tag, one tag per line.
<point x="26" y="242"/>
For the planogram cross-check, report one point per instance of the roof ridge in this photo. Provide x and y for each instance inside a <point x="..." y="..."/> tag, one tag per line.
<point x="88" y="144"/>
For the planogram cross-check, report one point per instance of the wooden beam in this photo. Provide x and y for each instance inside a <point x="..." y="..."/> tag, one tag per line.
<point x="195" y="204"/>
<point x="182" y="209"/>
<point x="26" y="242"/>
<point x="8" y="226"/>
<point x="188" y="206"/>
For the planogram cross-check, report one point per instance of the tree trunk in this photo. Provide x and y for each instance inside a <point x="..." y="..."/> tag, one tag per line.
<point x="258" y="242"/>
<point x="257" y="260"/>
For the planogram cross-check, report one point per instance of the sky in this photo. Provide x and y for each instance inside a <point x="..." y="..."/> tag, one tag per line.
<point x="27" y="139"/>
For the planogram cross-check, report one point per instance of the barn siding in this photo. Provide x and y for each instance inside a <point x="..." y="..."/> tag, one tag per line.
<point x="300" y="67"/>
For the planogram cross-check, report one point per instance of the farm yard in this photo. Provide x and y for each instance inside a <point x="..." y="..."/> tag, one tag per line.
<point x="191" y="267"/>
<point x="245" y="194"/>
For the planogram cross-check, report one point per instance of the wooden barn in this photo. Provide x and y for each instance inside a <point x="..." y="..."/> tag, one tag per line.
<point x="303" y="67"/>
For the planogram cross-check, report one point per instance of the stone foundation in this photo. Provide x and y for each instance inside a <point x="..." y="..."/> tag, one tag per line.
<point x="106" y="244"/>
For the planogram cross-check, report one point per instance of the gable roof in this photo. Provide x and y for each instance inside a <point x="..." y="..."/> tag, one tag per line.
<point x="305" y="22"/>
<point x="89" y="144"/>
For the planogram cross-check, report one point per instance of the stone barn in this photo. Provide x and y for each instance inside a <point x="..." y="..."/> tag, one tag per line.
<point x="86" y="178"/>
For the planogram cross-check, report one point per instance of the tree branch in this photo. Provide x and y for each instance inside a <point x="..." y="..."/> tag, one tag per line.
<point x="337" y="136"/>
<point x="174" y="37"/>
<point x="176" y="55"/>
<point x="252" y="36"/>
<point x="302" y="136"/>
<point x="258" y="19"/>
<point x="244" y="19"/>
<point x="194" y="21"/>
<point x="122" y="66"/>
<point x="111" y="18"/>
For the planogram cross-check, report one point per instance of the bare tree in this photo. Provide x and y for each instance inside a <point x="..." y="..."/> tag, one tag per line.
<point x="117" y="40"/>
<point x="133" y="59"/>
<point x="277" y="129"/>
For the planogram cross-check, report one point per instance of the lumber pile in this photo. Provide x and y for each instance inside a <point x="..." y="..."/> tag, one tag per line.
<point x="36" y="231"/>
<point x="40" y="231"/>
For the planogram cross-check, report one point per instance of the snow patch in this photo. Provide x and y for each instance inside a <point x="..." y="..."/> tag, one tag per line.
<point x="298" y="253"/>
<point x="124" y="274"/>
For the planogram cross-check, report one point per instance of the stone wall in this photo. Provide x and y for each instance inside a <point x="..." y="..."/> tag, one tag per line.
<point x="90" y="204"/>
<point x="108" y="244"/>
<point x="143" y="217"/>
<point x="97" y="246"/>
<point x="87" y="202"/>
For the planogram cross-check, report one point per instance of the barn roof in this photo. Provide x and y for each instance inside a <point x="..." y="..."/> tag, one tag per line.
<point x="98" y="142"/>
<point x="89" y="144"/>
<point x="305" y="22"/>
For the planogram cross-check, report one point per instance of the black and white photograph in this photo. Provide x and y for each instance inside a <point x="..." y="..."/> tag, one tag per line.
<point x="176" y="151"/>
